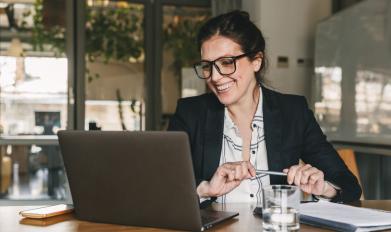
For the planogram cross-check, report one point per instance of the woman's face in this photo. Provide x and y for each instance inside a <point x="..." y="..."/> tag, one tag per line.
<point x="237" y="87"/>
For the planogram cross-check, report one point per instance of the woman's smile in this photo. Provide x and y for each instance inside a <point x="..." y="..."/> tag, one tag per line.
<point x="225" y="87"/>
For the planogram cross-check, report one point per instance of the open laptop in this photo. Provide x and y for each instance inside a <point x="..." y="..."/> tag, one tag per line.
<point x="134" y="178"/>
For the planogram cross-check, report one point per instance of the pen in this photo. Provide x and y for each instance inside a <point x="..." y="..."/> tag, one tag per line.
<point x="270" y="173"/>
<point x="261" y="173"/>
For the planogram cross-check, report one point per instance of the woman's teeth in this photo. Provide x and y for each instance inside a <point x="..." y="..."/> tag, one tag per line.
<point x="224" y="87"/>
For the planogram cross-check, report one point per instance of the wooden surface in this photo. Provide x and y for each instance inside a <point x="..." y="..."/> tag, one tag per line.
<point x="246" y="221"/>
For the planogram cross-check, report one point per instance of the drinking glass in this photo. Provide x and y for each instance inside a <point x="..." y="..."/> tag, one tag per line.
<point x="280" y="211"/>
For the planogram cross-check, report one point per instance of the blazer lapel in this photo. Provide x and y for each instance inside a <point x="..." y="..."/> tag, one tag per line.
<point x="213" y="137"/>
<point x="273" y="130"/>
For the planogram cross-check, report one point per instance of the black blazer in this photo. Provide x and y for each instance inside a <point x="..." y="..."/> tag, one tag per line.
<point x="291" y="133"/>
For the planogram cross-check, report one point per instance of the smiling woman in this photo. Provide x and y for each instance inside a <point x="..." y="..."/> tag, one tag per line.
<point x="233" y="76"/>
<point x="242" y="126"/>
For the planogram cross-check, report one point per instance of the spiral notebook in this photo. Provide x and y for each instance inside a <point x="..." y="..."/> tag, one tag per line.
<point x="341" y="217"/>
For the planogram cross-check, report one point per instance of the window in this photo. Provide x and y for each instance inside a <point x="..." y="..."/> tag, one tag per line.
<point x="33" y="101"/>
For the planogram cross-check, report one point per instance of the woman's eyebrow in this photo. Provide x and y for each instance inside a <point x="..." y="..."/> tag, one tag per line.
<point x="226" y="55"/>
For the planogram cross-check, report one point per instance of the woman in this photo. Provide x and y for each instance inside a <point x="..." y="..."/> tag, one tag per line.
<point x="242" y="126"/>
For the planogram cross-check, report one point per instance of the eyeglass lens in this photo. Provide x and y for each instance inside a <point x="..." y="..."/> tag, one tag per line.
<point x="224" y="65"/>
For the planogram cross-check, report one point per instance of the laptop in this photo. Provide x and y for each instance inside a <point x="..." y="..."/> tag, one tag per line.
<point x="135" y="178"/>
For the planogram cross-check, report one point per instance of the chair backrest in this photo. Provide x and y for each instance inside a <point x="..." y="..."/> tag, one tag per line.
<point x="348" y="156"/>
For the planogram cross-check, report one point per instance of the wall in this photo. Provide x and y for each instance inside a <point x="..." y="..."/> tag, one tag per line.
<point x="289" y="30"/>
<point x="125" y="76"/>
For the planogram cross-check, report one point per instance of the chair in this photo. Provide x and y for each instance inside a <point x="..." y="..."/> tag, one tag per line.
<point x="348" y="156"/>
<point x="5" y="173"/>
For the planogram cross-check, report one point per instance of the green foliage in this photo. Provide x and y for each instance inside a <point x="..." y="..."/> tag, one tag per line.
<point x="111" y="34"/>
<point x="55" y="36"/>
<point x="114" y="33"/>
<point x="181" y="37"/>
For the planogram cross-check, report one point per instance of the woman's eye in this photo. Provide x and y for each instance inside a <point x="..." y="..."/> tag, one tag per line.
<point x="205" y="66"/>
<point x="227" y="62"/>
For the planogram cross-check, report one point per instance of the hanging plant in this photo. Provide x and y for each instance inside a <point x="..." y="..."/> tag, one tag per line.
<point x="53" y="37"/>
<point x="114" y="33"/>
<point x="111" y="34"/>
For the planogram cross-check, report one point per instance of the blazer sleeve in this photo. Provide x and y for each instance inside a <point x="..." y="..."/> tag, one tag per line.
<point x="184" y="119"/>
<point x="320" y="153"/>
<point x="177" y="121"/>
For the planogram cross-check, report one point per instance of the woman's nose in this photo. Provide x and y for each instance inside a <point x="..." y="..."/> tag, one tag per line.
<point x="215" y="76"/>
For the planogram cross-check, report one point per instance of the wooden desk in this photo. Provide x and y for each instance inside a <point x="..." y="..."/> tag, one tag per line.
<point x="11" y="221"/>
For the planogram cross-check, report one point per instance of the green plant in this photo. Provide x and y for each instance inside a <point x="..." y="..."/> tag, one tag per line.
<point x="114" y="33"/>
<point x="180" y="36"/>
<point x="54" y="36"/>
<point x="111" y="34"/>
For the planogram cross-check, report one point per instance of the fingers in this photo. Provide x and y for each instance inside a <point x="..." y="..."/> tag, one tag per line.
<point x="227" y="177"/>
<point x="248" y="170"/>
<point x="303" y="174"/>
<point x="308" y="178"/>
<point x="238" y="170"/>
<point x="251" y="169"/>
<point x="231" y="174"/>
<point x="292" y="173"/>
<point x="227" y="171"/>
<point x="316" y="184"/>
<point x="306" y="172"/>
<point x="316" y="177"/>
<point x="299" y="177"/>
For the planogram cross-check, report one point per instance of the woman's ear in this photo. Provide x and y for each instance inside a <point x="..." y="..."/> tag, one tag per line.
<point x="257" y="62"/>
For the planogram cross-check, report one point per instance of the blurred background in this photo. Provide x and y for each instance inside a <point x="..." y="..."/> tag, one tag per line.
<point x="122" y="65"/>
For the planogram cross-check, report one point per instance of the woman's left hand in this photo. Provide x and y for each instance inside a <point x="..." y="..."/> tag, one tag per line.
<point x="310" y="180"/>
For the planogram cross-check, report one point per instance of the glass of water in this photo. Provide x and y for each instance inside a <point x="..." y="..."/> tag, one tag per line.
<point x="280" y="211"/>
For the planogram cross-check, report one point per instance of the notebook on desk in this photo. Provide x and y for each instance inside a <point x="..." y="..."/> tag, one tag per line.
<point x="134" y="178"/>
<point x="345" y="218"/>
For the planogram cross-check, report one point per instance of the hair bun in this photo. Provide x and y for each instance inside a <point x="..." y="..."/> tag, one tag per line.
<point x="239" y="13"/>
<point x="245" y="14"/>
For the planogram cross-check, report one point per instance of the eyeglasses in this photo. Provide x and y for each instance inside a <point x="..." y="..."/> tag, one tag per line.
<point x="224" y="65"/>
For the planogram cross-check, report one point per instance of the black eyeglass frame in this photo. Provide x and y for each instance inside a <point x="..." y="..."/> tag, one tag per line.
<point x="213" y="63"/>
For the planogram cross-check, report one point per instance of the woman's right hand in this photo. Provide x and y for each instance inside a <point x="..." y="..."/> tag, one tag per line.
<point x="227" y="177"/>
